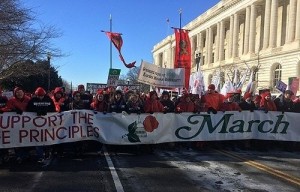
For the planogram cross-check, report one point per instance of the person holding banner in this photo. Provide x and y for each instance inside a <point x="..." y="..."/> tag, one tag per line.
<point x="18" y="103"/>
<point x="229" y="104"/>
<point x="186" y="104"/>
<point x="60" y="102"/>
<point x="266" y="103"/>
<point x="152" y="104"/>
<point x="284" y="102"/>
<point x="134" y="104"/>
<point x="42" y="104"/>
<point x="247" y="103"/>
<point x="118" y="103"/>
<point x="100" y="103"/>
<point x="212" y="100"/>
<point x="166" y="102"/>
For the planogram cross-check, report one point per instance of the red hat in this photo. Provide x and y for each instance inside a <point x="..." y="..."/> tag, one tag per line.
<point x="40" y="92"/>
<point x="247" y="95"/>
<point x="212" y="87"/>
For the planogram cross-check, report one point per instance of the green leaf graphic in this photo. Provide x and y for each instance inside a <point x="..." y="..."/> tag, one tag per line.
<point x="132" y="127"/>
<point x="133" y="138"/>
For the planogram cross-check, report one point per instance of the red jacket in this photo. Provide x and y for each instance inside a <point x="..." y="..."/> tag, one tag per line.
<point x="14" y="103"/>
<point x="184" y="106"/>
<point x="214" y="100"/>
<point x="153" y="106"/>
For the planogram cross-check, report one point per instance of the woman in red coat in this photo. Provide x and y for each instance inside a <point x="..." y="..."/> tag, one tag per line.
<point x="152" y="104"/>
<point x="19" y="102"/>
<point x="266" y="103"/>
<point x="186" y="104"/>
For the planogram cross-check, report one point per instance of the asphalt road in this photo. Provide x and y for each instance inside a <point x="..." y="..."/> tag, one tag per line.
<point x="179" y="169"/>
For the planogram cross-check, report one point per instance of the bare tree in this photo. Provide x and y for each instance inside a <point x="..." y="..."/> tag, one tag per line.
<point x="21" y="41"/>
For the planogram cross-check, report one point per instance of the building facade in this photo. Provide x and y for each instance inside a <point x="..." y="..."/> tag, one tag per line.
<point x="262" y="36"/>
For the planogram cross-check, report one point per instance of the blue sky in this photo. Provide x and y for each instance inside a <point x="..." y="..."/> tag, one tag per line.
<point x="142" y="23"/>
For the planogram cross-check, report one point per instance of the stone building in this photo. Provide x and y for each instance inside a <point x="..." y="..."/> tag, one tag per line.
<point x="260" y="35"/>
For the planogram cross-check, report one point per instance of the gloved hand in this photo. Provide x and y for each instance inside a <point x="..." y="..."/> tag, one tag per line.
<point x="212" y="110"/>
<point x="19" y="111"/>
<point x="266" y="111"/>
<point x="1" y="111"/>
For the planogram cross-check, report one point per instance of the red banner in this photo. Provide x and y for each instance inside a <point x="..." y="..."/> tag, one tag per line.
<point x="183" y="53"/>
<point x="117" y="40"/>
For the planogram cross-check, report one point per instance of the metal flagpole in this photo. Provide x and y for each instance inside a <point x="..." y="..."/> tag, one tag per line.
<point x="110" y="29"/>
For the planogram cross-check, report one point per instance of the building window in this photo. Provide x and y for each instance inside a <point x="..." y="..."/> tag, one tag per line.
<point x="277" y="74"/>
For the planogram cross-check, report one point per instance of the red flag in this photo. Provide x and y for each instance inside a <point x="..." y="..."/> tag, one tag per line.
<point x="117" y="40"/>
<point x="183" y="53"/>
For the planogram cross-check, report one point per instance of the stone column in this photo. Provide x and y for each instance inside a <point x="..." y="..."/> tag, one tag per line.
<point x="206" y="45"/>
<point x="273" y="24"/>
<point x="230" y="37"/>
<point x="297" y="35"/>
<point x="247" y="27"/>
<point x="210" y="45"/>
<point x="292" y="20"/>
<point x="217" y="44"/>
<point x="267" y="24"/>
<point x="235" y="36"/>
<point x="252" y="35"/>
<point x="222" y="39"/>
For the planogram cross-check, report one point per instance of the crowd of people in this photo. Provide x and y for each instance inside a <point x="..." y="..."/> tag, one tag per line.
<point x="116" y="100"/>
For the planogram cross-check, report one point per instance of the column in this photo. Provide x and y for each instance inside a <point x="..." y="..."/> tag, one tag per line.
<point x="230" y="37"/>
<point x="206" y="46"/>
<point x="247" y="27"/>
<point x="267" y="24"/>
<point x="222" y="39"/>
<point x="217" y="43"/>
<point x="235" y="36"/>
<point x="252" y="35"/>
<point x="200" y="47"/>
<point x="210" y="45"/>
<point x="292" y="20"/>
<point x="297" y="35"/>
<point x="273" y="24"/>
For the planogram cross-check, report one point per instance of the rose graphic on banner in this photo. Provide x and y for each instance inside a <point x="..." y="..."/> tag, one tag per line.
<point x="137" y="130"/>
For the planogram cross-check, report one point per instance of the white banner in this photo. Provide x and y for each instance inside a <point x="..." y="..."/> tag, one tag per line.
<point x="70" y="126"/>
<point x="161" y="77"/>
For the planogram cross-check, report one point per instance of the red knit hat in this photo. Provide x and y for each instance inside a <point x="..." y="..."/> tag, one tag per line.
<point x="40" y="92"/>
<point x="212" y="87"/>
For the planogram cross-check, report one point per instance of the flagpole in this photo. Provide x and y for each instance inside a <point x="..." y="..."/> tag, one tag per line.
<point x="110" y="29"/>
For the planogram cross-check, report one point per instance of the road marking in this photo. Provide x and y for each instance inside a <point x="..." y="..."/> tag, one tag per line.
<point x="272" y="171"/>
<point x="113" y="171"/>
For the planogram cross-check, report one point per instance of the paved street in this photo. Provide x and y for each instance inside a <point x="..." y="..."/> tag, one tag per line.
<point x="179" y="169"/>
